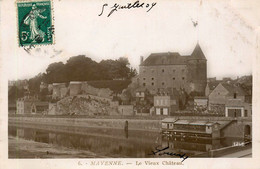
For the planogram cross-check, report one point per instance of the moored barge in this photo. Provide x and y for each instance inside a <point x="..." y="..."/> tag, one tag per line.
<point x="190" y="128"/>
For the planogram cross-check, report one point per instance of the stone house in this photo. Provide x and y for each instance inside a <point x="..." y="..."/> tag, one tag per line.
<point x="140" y="93"/>
<point x="230" y="100"/>
<point x="162" y="104"/>
<point x="166" y="102"/>
<point x="30" y="105"/>
<point x="38" y="107"/>
<point x="24" y="105"/>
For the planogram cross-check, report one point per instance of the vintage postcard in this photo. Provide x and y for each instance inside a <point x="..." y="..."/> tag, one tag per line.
<point x="129" y="84"/>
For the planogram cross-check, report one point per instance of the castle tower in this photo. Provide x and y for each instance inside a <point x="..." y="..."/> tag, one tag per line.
<point x="197" y="71"/>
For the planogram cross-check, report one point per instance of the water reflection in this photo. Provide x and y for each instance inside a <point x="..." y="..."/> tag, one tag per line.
<point x="115" y="143"/>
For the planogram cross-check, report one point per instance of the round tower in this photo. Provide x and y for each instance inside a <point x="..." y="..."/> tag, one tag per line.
<point x="197" y="72"/>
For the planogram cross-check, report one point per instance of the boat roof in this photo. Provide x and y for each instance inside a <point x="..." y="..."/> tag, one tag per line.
<point x="190" y="122"/>
<point x="182" y="122"/>
<point x="198" y="123"/>
<point x="169" y="120"/>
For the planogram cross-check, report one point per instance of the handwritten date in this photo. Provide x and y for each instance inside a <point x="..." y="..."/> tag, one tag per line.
<point x="136" y="4"/>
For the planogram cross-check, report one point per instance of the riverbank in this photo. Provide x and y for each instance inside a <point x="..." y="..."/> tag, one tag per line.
<point x="21" y="148"/>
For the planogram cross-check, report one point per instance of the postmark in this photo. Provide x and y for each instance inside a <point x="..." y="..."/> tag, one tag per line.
<point x="35" y="23"/>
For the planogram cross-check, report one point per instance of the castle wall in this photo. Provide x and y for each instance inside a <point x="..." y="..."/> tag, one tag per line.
<point x="63" y="92"/>
<point x="75" y="88"/>
<point x="191" y="76"/>
<point x="197" y="75"/>
<point x="163" y="76"/>
<point x="56" y="92"/>
<point x="102" y="92"/>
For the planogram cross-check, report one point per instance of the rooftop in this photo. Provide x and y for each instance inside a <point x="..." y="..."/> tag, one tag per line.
<point x="234" y="89"/>
<point x="172" y="58"/>
<point x="213" y="85"/>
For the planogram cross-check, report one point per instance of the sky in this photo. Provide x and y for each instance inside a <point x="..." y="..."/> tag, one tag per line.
<point x="225" y="32"/>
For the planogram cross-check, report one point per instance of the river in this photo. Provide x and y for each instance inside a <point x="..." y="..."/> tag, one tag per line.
<point x="114" y="143"/>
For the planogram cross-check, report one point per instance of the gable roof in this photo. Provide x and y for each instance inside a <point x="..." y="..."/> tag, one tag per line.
<point x="213" y="85"/>
<point x="233" y="89"/>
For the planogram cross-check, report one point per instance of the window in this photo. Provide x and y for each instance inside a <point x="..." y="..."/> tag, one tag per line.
<point x="162" y="70"/>
<point x="162" y="83"/>
<point x="152" y="78"/>
<point x="173" y="70"/>
<point x="152" y="84"/>
<point x="144" y="78"/>
<point x="235" y="95"/>
<point x="173" y="78"/>
<point x="161" y="110"/>
<point x="143" y="84"/>
<point x="245" y="113"/>
<point x="183" y="78"/>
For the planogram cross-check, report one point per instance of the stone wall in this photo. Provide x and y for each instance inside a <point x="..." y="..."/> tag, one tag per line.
<point x="102" y="92"/>
<point x="126" y="110"/>
<point x="86" y="105"/>
<point x="235" y="129"/>
<point x="75" y="88"/>
<point x="133" y="124"/>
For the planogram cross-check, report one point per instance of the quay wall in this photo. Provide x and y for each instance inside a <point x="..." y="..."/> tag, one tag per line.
<point x="133" y="124"/>
<point x="236" y="128"/>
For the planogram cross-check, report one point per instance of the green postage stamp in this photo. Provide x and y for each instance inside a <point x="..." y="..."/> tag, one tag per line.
<point x="35" y="23"/>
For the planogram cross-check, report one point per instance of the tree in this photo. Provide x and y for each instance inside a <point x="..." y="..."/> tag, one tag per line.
<point x="34" y="83"/>
<point x="15" y="93"/>
<point x="56" y="73"/>
<point x="132" y="73"/>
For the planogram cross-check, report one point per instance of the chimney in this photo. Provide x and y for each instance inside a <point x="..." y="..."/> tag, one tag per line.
<point x="141" y="59"/>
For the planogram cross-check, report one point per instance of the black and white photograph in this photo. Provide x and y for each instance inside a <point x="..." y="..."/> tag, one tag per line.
<point x="129" y="84"/>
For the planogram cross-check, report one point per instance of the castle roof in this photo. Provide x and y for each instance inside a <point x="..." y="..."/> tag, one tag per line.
<point x="168" y="58"/>
<point x="172" y="58"/>
<point x="197" y="53"/>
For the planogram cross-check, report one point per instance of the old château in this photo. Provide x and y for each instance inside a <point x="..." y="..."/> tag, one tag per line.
<point x="171" y="70"/>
